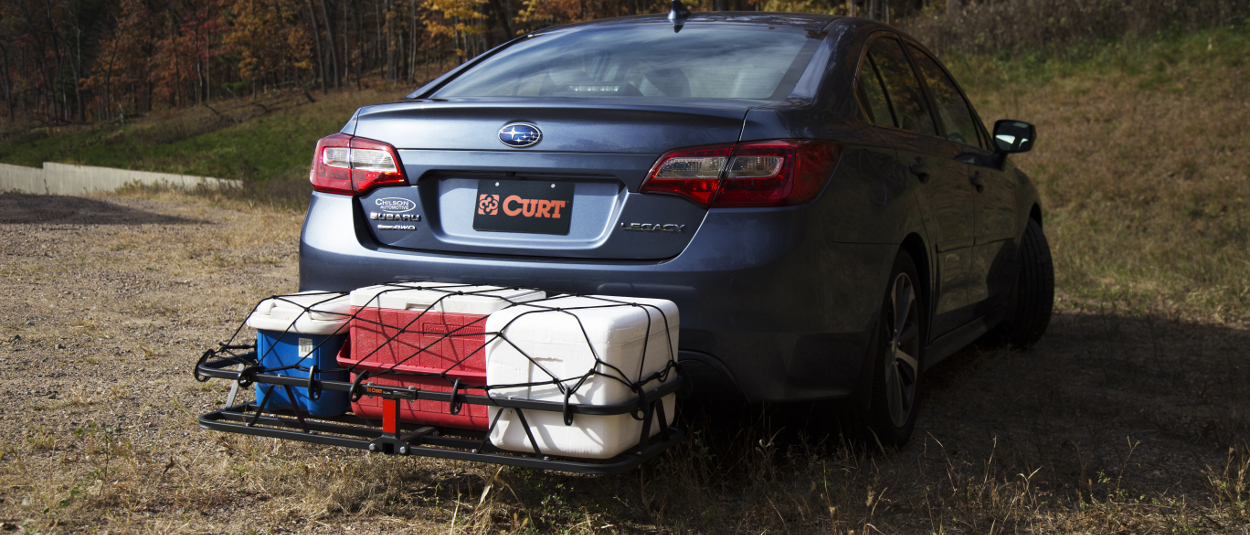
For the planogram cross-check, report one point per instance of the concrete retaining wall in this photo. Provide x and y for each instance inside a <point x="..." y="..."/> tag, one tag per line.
<point x="62" y="179"/>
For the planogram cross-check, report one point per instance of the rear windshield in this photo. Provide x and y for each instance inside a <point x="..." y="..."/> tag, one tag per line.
<point x="651" y="60"/>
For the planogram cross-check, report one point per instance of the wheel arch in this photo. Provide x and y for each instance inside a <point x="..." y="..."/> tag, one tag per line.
<point x="1035" y="213"/>
<point x="915" y="247"/>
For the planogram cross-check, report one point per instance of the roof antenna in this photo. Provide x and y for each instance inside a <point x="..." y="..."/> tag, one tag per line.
<point x="678" y="15"/>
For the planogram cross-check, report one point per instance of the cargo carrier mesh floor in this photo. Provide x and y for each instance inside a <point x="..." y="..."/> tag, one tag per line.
<point x="240" y="362"/>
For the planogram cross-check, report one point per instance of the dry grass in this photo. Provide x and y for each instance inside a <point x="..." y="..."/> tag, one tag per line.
<point x="253" y="139"/>
<point x="1142" y="162"/>
<point x="1086" y="434"/>
<point x="1042" y="28"/>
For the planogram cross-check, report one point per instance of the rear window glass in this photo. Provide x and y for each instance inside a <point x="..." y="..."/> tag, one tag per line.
<point x="712" y="61"/>
<point x="955" y="112"/>
<point x="901" y="86"/>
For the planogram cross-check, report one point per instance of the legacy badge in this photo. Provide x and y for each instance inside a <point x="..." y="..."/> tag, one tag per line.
<point x="653" y="227"/>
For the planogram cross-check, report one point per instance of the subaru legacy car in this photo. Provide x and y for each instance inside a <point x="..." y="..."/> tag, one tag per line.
<point x="816" y="194"/>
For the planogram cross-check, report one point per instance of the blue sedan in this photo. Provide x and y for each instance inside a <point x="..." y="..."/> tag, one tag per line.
<point x="816" y="194"/>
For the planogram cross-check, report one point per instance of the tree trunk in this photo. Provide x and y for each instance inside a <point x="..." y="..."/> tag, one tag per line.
<point x="8" y="85"/>
<point x="379" y="35"/>
<point x="334" y="60"/>
<point x="76" y="67"/>
<point x="412" y="57"/>
<point x="55" y="81"/>
<point x="504" y="18"/>
<point x="208" y="62"/>
<point x="316" y="34"/>
<point x="347" y="57"/>
<point x="108" y="78"/>
<point x="360" y="32"/>
<point x="49" y="104"/>
<point x="384" y="30"/>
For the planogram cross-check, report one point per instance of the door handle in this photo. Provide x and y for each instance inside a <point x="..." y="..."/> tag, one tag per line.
<point x="920" y="169"/>
<point x="976" y="181"/>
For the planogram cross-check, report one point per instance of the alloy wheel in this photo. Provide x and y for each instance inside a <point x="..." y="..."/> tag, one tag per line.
<point x="902" y="365"/>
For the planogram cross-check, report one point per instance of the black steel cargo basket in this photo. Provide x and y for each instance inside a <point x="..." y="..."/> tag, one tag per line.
<point x="238" y="363"/>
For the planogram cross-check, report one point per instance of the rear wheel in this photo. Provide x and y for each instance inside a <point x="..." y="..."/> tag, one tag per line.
<point x="1033" y="298"/>
<point x="898" y="363"/>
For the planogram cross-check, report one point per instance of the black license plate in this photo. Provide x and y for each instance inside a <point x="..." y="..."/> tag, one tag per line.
<point x="531" y="206"/>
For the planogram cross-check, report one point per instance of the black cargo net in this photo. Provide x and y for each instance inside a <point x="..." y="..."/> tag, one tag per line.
<point x="369" y="318"/>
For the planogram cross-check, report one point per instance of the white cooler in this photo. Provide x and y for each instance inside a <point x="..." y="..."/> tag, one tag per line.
<point x="555" y="341"/>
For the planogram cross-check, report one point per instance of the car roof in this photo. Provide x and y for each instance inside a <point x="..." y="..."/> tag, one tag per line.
<point x="802" y="21"/>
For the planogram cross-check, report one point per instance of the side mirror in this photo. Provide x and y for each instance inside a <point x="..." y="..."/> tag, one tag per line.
<point x="1011" y="136"/>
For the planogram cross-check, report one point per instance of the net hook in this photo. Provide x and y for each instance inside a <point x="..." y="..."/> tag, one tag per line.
<point x="356" y="392"/>
<point x="314" y="387"/>
<point x="568" y="409"/>
<point x="198" y="363"/>
<point x="456" y="404"/>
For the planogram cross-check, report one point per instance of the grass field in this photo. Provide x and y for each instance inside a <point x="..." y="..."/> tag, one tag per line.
<point x="262" y="139"/>
<point x="1130" y="416"/>
<point x="1142" y="162"/>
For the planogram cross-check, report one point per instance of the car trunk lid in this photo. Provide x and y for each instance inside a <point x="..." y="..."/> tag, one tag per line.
<point x="573" y="194"/>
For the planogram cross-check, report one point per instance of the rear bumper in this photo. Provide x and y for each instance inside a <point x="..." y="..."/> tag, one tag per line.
<point x="767" y="309"/>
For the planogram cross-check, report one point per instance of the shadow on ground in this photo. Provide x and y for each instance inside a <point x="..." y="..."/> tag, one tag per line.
<point x="1135" y="411"/>
<point x="65" y="210"/>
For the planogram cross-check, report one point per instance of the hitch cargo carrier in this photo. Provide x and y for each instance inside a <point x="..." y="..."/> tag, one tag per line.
<point x="571" y="383"/>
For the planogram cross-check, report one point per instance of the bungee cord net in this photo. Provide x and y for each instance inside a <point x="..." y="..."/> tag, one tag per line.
<point x="433" y="349"/>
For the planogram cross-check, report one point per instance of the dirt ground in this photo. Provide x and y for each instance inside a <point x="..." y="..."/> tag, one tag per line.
<point x="1115" y="422"/>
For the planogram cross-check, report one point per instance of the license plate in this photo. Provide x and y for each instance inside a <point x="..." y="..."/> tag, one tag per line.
<point x="530" y="206"/>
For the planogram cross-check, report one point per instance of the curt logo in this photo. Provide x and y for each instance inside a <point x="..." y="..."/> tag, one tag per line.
<point x="514" y="205"/>
<point x="526" y="206"/>
<point x="488" y="204"/>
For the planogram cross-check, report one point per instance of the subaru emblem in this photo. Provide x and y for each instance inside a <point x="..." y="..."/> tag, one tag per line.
<point x="520" y="135"/>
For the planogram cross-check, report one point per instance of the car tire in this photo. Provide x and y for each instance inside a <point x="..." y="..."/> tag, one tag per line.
<point x="1033" y="297"/>
<point x="898" y="351"/>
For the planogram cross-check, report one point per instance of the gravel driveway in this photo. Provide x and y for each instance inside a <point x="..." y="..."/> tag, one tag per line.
<point x="106" y="302"/>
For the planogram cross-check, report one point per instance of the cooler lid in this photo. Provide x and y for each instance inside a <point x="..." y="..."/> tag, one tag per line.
<point x="312" y="312"/>
<point x="450" y="297"/>
<point x="603" y="318"/>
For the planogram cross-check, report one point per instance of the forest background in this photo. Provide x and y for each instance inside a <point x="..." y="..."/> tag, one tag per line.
<point x="66" y="62"/>
<point x="84" y="61"/>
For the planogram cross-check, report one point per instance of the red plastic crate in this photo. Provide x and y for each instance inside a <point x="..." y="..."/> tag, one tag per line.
<point x="379" y="342"/>
<point x="425" y="412"/>
<point x="385" y="340"/>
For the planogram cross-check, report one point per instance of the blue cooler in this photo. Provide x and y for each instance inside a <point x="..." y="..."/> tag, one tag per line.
<point x="301" y="330"/>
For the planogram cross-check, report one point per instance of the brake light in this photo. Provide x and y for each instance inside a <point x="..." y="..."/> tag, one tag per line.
<point x="781" y="172"/>
<point x="778" y="173"/>
<point x="692" y="173"/>
<point x="351" y="165"/>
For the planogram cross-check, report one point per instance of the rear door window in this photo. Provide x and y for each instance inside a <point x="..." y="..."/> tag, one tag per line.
<point x="901" y="87"/>
<point x="876" y="105"/>
<point x="958" y="123"/>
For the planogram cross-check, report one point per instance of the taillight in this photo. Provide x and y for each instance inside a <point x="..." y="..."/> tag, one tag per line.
<point x="350" y="165"/>
<point x="692" y="173"/>
<point x="756" y="173"/>
<point x="778" y="173"/>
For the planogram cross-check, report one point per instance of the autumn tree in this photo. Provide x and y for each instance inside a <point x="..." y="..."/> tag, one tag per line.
<point x="268" y="40"/>
<point x="120" y="77"/>
<point x="65" y="61"/>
